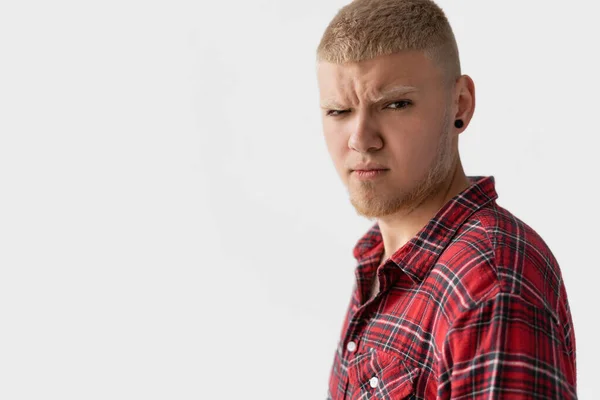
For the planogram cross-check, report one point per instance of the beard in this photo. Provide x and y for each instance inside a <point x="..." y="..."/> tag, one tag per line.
<point x="369" y="202"/>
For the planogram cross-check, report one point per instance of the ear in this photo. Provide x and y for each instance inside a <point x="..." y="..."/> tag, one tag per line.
<point x="464" y="100"/>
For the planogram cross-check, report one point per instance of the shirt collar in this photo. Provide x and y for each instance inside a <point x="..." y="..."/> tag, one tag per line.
<point x="419" y="254"/>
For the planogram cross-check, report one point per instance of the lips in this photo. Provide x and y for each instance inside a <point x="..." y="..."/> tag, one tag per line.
<point x="369" y="167"/>
<point x="368" y="174"/>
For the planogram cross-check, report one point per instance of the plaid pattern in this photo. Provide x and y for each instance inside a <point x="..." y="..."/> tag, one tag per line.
<point x="473" y="307"/>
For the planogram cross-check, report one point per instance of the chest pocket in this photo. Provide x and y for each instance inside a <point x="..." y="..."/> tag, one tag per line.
<point x="379" y="375"/>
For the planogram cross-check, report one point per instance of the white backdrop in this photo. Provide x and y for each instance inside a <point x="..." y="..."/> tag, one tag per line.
<point x="171" y="225"/>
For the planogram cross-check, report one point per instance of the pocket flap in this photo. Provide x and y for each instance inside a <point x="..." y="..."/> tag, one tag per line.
<point x="381" y="375"/>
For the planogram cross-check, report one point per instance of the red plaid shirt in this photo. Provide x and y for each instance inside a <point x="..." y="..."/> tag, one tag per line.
<point x="473" y="306"/>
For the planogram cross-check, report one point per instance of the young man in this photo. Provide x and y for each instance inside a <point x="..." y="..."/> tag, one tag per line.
<point x="455" y="297"/>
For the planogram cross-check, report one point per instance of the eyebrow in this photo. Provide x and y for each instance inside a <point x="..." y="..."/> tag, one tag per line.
<point x="383" y="95"/>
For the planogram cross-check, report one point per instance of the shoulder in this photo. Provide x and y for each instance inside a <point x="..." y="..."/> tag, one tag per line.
<point x="494" y="252"/>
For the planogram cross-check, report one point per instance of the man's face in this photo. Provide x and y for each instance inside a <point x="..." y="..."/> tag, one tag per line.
<point x="394" y="111"/>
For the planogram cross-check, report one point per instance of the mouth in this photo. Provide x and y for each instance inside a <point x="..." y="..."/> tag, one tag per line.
<point x="364" y="174"/>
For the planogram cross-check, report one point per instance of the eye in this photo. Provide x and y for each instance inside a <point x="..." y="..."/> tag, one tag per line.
<point x="400" y="104"/>
<point x="335" y="113"/>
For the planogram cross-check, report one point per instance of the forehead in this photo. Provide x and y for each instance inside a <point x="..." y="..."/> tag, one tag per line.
<point x="370" y="77"/>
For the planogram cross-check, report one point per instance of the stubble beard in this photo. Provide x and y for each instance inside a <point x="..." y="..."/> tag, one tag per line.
<point x="370" y="203"/>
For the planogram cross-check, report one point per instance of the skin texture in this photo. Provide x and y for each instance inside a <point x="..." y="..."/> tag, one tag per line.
<point x="411" y="134"/>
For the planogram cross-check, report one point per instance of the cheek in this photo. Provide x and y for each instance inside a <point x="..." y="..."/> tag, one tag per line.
<point x="337" y="143"/>
<point x="412" y="151"/>
<point x="338" y="152"/>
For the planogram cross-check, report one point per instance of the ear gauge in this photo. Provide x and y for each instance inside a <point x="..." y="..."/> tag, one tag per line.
<point x="458" y="123"/>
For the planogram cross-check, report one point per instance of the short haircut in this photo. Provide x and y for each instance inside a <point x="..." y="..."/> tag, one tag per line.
<point x="365" y="29"/>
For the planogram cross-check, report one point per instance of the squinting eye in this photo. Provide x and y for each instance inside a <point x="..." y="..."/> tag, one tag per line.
<point x="403" y="103"/>
<point x="332" y="112"/>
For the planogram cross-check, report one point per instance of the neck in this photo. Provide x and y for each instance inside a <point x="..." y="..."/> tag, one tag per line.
<point x="398" y="229"/>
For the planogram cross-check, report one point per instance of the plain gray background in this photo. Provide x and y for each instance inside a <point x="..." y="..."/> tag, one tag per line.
<point x="171" y="225"/>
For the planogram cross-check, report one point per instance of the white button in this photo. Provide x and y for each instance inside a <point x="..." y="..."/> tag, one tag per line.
<point x="351" y="346"/>
<point x="373" y="382"/>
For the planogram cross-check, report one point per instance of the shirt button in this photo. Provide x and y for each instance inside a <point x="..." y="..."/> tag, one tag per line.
<point x="351" y="346"/>
<point x="373" y="382"/>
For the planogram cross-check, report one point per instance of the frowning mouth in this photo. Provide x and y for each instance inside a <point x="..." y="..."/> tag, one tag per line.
<point x="369" y="174"/>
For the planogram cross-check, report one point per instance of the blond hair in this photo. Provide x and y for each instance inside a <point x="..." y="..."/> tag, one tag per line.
<point x="365" y="29"/>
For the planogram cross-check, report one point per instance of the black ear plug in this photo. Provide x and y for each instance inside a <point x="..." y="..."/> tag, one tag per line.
<point x="458" y="123"/>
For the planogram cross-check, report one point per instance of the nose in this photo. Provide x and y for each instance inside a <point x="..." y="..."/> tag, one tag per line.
<point x="365" y="136"/>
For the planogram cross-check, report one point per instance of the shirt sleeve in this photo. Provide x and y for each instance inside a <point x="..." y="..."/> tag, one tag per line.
<point x="506" y="348"/>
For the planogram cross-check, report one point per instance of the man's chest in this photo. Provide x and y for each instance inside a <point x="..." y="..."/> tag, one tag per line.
<point x="395" y="315"/>
<point x="390" y="339"/>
